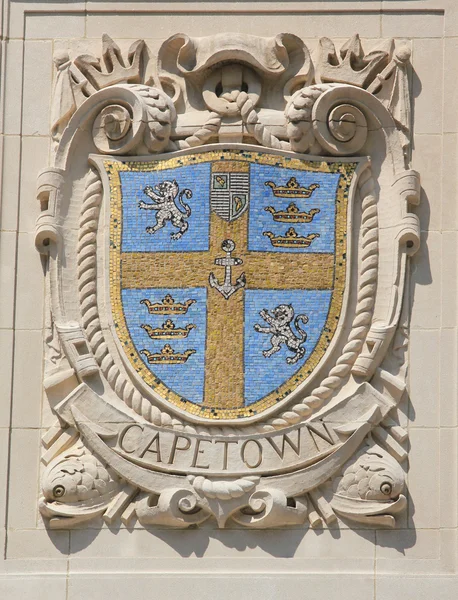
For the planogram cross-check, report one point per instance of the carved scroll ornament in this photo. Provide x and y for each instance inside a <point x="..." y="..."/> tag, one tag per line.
<point x="178" y="190"/>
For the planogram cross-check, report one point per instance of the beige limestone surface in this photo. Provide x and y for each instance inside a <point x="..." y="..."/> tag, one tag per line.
<point x="417" y="559"/>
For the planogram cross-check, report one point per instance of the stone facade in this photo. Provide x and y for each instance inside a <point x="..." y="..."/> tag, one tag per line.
<point x="229" y="299"/>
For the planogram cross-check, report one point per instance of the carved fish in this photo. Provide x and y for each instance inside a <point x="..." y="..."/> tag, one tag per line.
<point x="77" y="478"/>
<point x="371" y="475"/>
<point x="370" y="489"/>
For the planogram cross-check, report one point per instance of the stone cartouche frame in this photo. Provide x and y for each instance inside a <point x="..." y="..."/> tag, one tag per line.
<point x="241" y="94"/>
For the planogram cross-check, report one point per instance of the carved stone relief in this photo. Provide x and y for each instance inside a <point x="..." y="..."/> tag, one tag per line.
<point x="227" y="233"/>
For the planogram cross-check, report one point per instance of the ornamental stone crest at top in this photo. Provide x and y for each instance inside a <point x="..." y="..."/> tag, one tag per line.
<point x="227" y="233"/>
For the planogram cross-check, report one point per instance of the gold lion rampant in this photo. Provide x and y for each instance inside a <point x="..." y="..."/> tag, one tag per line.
<point x="292" y="189"/>
<point x="291" y="239"/>
<point x="168" y="306"/>
<point x="167" y="356"/>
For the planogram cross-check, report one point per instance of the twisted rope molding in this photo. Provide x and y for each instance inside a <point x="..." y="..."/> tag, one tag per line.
<point x="202" y="135"/>
<point x="298" y="117"/>
<point x="87" y="290"/>
<point x="161" y="114"/>
<point x="298" y="113"/>
<point x="254" y="126"/>
<point x="249" y="116"/>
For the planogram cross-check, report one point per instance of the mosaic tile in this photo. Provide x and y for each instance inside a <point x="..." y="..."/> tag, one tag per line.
<point x="227" y="273"/>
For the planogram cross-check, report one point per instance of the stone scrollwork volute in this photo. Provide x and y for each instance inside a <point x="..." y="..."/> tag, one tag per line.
<point x="332" y="447"/>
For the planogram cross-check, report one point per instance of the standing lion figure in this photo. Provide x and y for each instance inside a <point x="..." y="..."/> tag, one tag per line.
<point x="164" y="194"/>
<point x="281" y="332"/>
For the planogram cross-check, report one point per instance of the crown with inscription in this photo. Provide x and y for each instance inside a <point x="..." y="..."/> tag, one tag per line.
<point x="114" y="68"/>
<point x="291" y="239"/>
<point x="292" y="189"/>
<point x="168" y="330"/>
<point x="292" y="214"/>
<point x="354" y="67"/>
<point x="168" y="306"/>
<point x="167" y="356"/>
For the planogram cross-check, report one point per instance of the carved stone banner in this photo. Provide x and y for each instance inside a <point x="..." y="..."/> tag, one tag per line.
<point x="227" y="238"/>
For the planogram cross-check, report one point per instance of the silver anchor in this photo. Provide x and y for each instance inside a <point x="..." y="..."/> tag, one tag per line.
<point x="227" y="288"/>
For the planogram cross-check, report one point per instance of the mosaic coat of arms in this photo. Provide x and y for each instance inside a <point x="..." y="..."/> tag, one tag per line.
<point x="227" y="236"/>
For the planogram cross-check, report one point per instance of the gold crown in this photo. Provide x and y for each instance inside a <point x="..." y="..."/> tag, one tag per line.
<point x="168" y="331"/>
<point x="291" y="239"/>
<point x="114" y="69"/>
<point x="167" y="356"/>
<point x="292" y="214"/>
<point x="168" y="306"/>
<point x="355" y="67"/>
<point x="292" y="189"/>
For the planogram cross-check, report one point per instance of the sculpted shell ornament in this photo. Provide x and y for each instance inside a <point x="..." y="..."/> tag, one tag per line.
<point x="302" y="424"/>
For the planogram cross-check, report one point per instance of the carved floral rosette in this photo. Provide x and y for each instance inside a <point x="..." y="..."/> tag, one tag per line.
<point x="333" y="447"/>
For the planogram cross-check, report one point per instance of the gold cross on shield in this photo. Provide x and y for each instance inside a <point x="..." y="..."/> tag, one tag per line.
<point x="224" y="382"/>
<point x="224" y="372"/>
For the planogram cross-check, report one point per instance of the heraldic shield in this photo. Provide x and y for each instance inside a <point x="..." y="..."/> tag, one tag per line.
<point x="228" y="328"/>
<point x="228" y="272"/>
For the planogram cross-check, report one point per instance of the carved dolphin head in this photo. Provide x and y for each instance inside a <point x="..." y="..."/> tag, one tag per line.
<point x="75" y="479"/>
<point x="371" y="475"/>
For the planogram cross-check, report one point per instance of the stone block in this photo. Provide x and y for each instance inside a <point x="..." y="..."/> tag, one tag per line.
<point x="8" y="240"/>
<point x="34" y="158"/>
<point x="425" y="282"/>
<point x="425" y="373"/>
<point x="420" y="587"/>
<point x="23" y="488"/>
<point x="33" y="543"/>
<point x="449" y="485"/>
<point x="10" y="182"/>
<point x="6" y="365"/>
<point x="448" y="381"/>
<point x="29" y="314"/>
<point x="256" y="587"/>
<point x="13" y="87"/>
<point x="427" y="85"/>
<point x="34" y="587"/>
<point x="449" y="287"/>
<point x="449" y="183"/>
<point x="28" y="372"/>
<point x="424" y="457"/>
<point x="4" y="454"/>
<point x="38" y="72"/>
<point x="70" y="25"/>
<point x="451" y="89"/>
<point x="400" y="24"/>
